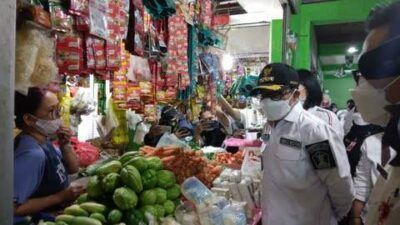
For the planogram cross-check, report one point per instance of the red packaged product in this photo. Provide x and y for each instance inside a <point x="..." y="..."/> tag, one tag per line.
<point x="69" y="54"/>
<point x="119" y="90"/>
<point x="99" y="53"/>
<point x="90" y="60"/>
<point x="40" y="16"/>
<point x="113" y="20"/>
<point x="82" y="23"/>
<point x="113" y="55"/>
<point x="133" y="97"/>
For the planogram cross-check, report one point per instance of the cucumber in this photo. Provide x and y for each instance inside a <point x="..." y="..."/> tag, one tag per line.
<point x="128" y="156"/>
<point x="75" y="210"/>
<point x="91" y="170"/>
<point x="110" y="167"/>
<point x="93" y="207"/>
<point x="100" y="217"/>
<point x="80" y="220"/>
<point x="82" y="198"/>
<point x="64" y="218"/>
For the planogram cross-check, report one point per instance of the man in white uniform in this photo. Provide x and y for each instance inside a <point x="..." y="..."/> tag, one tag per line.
<point x="377" y="98"/>
<point x="306" y="175"/>
<point x="368" y="170"/>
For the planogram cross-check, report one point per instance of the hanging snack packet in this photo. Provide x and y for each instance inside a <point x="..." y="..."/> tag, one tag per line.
<point x="79" y="7"/>
<point x="60" y="20"/>
<point x="113" y="55"/>
<point x="133" y="97"/>
<point x="98" y="18"/>
<point x="99" y="53"/>
<point x="69" y="54"/>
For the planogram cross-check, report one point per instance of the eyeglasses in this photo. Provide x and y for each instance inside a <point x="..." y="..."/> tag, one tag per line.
<point x="56" y="112"/>
<point x="275" y="96"/>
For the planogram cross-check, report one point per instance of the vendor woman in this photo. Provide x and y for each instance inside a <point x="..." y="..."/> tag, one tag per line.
<point x="40" y="169"/>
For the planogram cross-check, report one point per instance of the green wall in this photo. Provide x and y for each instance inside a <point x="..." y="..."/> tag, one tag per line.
<point x="276" y="41"/>
<point x="339" y="11"/>
<point x="339" y="89"/>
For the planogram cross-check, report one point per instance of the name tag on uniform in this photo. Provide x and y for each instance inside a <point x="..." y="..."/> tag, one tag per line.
<point x="290" y="143"/>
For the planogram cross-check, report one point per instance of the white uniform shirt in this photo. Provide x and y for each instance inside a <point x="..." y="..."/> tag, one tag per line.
<point x="329" y="117"/>
<point x="294" y="191"/>
<point x="385" y="191"/>
<point x="367" y="169"/>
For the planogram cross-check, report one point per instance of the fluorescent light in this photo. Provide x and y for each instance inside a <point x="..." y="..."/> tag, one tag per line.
<point x="227" y="62"/>
<point x="352" y="50"/>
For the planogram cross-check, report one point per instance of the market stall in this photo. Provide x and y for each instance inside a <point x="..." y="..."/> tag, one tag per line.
<point x="114" y="65"/>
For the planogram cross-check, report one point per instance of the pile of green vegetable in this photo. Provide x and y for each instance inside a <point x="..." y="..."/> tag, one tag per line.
<point x="123" y="191"/>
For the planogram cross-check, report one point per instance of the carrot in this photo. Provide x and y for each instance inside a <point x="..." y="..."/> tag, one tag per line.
<point x="168" y="159"/>
<point x="170" y="152"/>
<point x="154" y="153"/>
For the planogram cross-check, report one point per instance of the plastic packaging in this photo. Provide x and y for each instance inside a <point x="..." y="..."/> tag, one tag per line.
<point x="69" y="54"/>
<point x="98" y="18"/>
<point x="211" y="215"/>
<point x="251" y="165"/>
<point x="234" y="214"/>
<point x="186" y="214"/>
<point x="60" y="20"/>
<point x="195" y="191"/>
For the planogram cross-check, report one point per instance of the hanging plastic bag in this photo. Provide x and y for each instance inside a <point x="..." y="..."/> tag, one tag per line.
<point x="251" y="165"/>
<point x="171" y="140"/>
<point x="108" y="123"/>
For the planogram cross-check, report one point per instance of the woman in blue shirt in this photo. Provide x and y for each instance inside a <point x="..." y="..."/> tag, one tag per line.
<point x="41" y="170"/>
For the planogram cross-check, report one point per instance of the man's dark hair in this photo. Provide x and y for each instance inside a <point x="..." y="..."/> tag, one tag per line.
<point x="350" y="104"/>
<point x="314" y="92"/>
<point x="385" y="15"/>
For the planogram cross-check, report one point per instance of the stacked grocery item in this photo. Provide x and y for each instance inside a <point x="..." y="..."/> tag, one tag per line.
<point x="246" y="190"/>
<point x="207" y="208"/>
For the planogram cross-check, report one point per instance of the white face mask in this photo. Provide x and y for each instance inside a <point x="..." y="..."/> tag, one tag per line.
<point x="370" y="102"/>
<point x="275" y="110"/>
<point x="48" y="127"/>
<point x="302" y="100"/>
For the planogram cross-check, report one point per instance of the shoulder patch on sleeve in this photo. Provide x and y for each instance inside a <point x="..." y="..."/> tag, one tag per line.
<point x="321" y="155"/>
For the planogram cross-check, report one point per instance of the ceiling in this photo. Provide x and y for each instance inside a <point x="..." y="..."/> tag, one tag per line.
<point x="334" y="40"/>
<point x="231" y="7"/>
<point x="340" y="33"/>
<point x="258" y="11"/>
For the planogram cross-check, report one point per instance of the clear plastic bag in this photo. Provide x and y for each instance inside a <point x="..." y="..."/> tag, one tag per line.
<point x="186" y="214"/>
<point x="251" y="165"/>
<point x="234" y="214"/>
<point x="171" y="140"/>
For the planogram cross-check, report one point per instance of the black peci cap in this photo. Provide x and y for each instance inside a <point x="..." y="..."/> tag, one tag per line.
<point x="275" y="77"/>
<point x="381" y="62"/>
